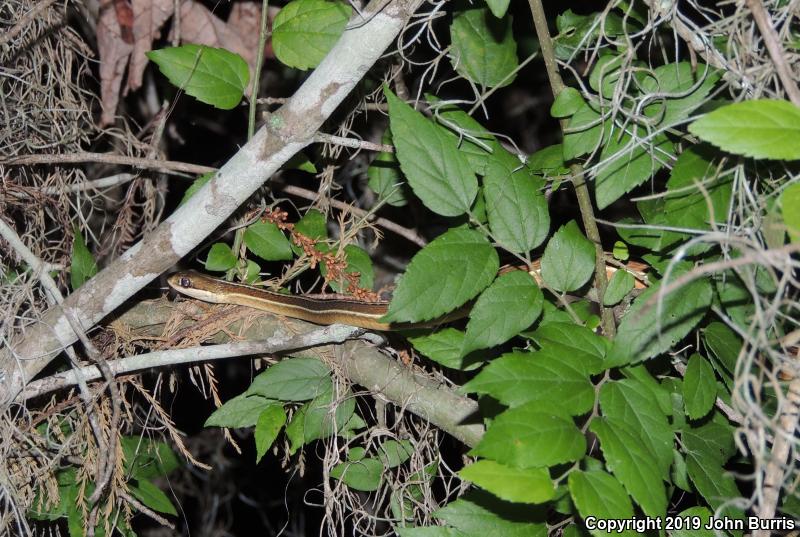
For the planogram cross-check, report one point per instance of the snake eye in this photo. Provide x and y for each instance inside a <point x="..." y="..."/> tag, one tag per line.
<point x="185" y="282"/>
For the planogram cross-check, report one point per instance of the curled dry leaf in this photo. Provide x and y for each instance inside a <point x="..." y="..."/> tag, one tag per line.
<point x="114" y="54"/>
<point x="149" y="17"/>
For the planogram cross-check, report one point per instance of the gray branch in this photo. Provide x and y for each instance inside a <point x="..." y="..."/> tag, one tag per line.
<point x="287" y="131"/>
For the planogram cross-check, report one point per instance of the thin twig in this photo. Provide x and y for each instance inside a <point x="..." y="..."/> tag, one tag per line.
<point x="352" y="142"/>
<point x="578" y="174"/>
<point x="774" y="48"/>
<point x="145" y="510"/>
<point x="404" y="232"/>
<point x="165" y="166"/>
<point x="335" y="333"/>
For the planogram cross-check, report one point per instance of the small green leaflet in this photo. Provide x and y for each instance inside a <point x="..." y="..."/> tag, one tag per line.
<point x="292" y="379"/>
<point x="679" y="92"/>
<point x="760" y="128"/>
<point x="631" y="402"/>
<point x="241" y="411"/>
<point x="269" y="424"/>
<point x="152" y="496"/>
<point x="267" y="241"/>
<point x="566" y="103"/>
<point x="196" y="185"/>
<point x="631" y="462"/>
<point x="483" y="49"/>
<point x="213" y="76"/>
<point x="448" y="272"/>
<point x="573" y="343"/>
<point x="385" y="178"/>
<point x="531" y="485"/>
<point x="444" y="347"/>
<point x="439" y="174"/>
<point x="627" y="163"/>
<point x="146" y="458"/>
<point x="358" y="260"/>
<point x="599" y="494"/>
<point x="619" y="286"/>
<point x="699" y="387"/>
<point x="724" y="345"/>
<point x="313" y="225"/>
<point x="584" y="132"/>
<point x="322" y="417"/>
<point x="509" y="305"/>
<point x="83" y="264"/>
<point x="712" y="441"/>
<point x="516" y="207"/>
<point x="712" y="481"/>
<point x="568" y="260"/>
<point x="220" y="258"/>
<point x="305" y="30"/>
<point x="498" y="7"/>
<point x="527" y="437"/>
<point x="540" y="377"/>
<point x="393" y="453"/>
<point x="790" y="209"/>
<point x="643" y="334"/>
<point x="364" y="475"/>
<point x="479" y="513"/>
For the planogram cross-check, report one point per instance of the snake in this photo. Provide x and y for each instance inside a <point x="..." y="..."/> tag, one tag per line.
<point x="323" y="311"/>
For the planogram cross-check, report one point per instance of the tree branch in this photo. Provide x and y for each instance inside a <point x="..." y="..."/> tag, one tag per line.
<point x="287" y="131"/>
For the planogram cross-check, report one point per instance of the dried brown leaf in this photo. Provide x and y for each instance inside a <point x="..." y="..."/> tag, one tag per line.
<point x="148" y="18"/>
<point x="114" y="54"/>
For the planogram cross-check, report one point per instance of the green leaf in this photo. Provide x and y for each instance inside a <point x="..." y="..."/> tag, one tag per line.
<point x="628" y="164"/>
<point x="498" y="7"/>
<point x="393" y="453"/>
<point x="241" y="411"/>
<point x="575" y="344"/>
<point x="632" y="403"/>
<point x="479" y="513"/>
<point x="566" y="103"/>
<point x="305" y="30"/>
<point x="599" y="494"/>
<point x="220" y="257"/>
<point x="146" y="458"/>
<point x="679" y="92"/>
<point x="358" y="260"/>
<point x="300" y="162"/>
<point x="584" y="132"/>
<point x="269" y="424"/>
<point x="645" y="332"/>
<point x="312" y="225"/>
<point x="694" y="521"/>
<point x="364" y="475"/>
<point x="482" y="48"/>
<point x="448" y="272"/>
<point x="568" y="260"/>
<point x="292" y="379"/>
<point x="790" y="209"/>
<point x="438" y="173"/>
<point x="429" y="531"/>
<point x="548" y="161"/>
<point x="527" y="437"/>
<point x="251" y="272"/>
<point x="322" y="417"/>
<point x="711" y="441"/>
<point x="538" y="377"/>
<point x="385" y="178"/>
<point x="531" y="485"/>
<point x="213" y="76"/>
<point x="516" y="207"/>
<point x="724" y="344"/>
<point x="619" y="286"/>
<point x="699" y="387"/>
<point x="267" y="241"/>
<point x="196" y="185"/>
<point x="444" y="347"/>
<point x="631" y="462"/>
<point x="712" y="481"/>
<point x="83" y="264"/>
<point x="621" y="251"/>
<point x="152" y="496"/>
<point x="759" y="128"/>
<point x="509" y="305"/>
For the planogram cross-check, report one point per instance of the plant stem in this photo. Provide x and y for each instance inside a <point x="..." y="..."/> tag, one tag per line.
<point x="578" y="174"/>
<point x="262" y="42"/>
